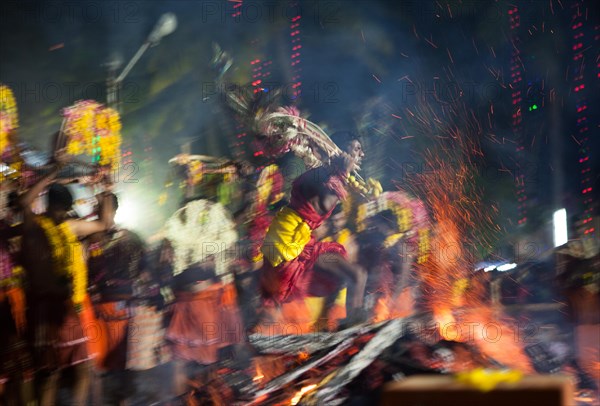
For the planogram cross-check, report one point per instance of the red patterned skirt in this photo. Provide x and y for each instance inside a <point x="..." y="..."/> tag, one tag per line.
<point x="204" y="322"/>
<point x="297" y="279"/>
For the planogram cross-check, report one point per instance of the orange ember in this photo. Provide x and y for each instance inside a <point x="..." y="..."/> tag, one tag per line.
<point x="301" y="393"/>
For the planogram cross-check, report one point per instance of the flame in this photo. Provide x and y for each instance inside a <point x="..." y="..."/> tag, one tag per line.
<point x="303" y="356"/>
<point x="301" y="393"/>
<point x="461" y="223"/>
<point x="268" y="367"/>
<point x="382" y="310"/>
<point x="259" y="374"/>
<point x="444" y="319"/>
<point x="291" y="318"/>
<point x="389" y="307"/>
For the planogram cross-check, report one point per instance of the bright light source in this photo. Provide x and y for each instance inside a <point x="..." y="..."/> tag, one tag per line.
<point x="127" y="214"/>
<point x="165" y="26"/>
<point x="560" y="227"/>
<point x="506" y="267"/>
<point x="489" y="268"/>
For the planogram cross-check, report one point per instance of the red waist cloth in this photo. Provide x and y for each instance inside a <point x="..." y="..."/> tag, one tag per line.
<point x="111" y="343"/>
<point x="204" y="322"/>
<point x="297" y="279"/>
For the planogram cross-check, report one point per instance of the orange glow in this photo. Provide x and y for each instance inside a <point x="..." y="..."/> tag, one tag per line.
<point x="301" y="393"/>
<point x="462" y="231"/>
<point x="259" y="376"/>
<point x="496" y="338"/>
<point x="267" y="368"/>
<point x="382" y="310"/>
<point x="444" y="319"/>
<point x="292" y="318"/>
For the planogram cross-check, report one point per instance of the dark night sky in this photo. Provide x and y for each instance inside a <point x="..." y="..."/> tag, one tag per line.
<point x="364" y="63"/>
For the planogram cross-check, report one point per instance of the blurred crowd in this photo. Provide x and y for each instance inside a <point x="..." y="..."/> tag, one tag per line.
<point x="91" y="313"/>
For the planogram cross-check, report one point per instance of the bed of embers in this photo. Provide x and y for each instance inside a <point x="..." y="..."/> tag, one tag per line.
<point x="352" y="366"/>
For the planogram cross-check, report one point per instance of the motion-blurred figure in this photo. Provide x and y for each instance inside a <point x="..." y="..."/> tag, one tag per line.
<point x="127" y="302"/>
<point x="328" y="310"/>
<point x="292" y="253"/>
<point x="16" y="377"/>
<point x="204" y="315"/>
<point x="579" y="276"/>
<point x="389" y="260"/>
<point x="56" y="273"/>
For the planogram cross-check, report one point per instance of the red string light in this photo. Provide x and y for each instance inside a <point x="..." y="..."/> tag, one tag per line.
<point x="580" y="42"/>
<point x="296" y="85"/>
<point x="516" y="68"/>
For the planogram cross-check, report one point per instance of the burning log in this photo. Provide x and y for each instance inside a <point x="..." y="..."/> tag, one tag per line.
<point x="290" y="377"/>
<point x="353" y="364"/>
<point x="309" y="343"/>
<point x="382" y="340"/>
<point x="320" y="344"/>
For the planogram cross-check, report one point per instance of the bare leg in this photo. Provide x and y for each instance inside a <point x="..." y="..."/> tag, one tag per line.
<point x="96" y="394"/>
<point x="81" y="384"/>
<point x="27" y="391"/>
<point x="179" y="377"/>
<point x="322" y="323"/>
<point x="353" y="276"/>
<point x="49" y="389"/>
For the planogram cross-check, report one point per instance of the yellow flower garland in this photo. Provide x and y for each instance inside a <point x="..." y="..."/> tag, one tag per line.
<point x="196" y="169"/>
<point x="94" y="130"/>
<point x="404" y="217"/>
<point x="108" y="123"/>
<point x="361" y="216"/>
<point x="265" y="183"/>
<point x="14" y="279"/>
<point x="371" y="187"/>
<point x="67" y="255"/>
<point x="8" y="116"/>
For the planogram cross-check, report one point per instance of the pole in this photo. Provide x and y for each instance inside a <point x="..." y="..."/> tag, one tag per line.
<point x="114" y="83"/>
<point x="133" y="61"/>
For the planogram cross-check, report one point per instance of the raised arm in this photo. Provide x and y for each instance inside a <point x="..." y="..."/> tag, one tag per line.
<point x="60" y="159"/>
<point x="107" y="211"/>
<point x="26" y="199"/>
<point x="83" y="228"/>
<point x="106" y="216"/>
